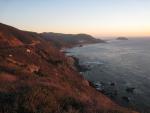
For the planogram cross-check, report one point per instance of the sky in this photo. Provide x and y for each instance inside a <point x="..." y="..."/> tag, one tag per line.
<point x="101" y="18"/>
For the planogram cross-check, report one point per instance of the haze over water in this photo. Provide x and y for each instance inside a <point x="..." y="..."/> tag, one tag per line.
<point x="125" y="63"/>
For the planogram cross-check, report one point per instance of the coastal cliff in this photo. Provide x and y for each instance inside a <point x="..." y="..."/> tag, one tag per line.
<point x="69" y="40"/>
<point x="35" y="77"/>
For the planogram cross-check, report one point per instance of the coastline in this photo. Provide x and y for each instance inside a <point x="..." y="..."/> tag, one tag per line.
<point x="98" y="86"/>
<point x="43" y="79"/>
<point x="125" y="95"/>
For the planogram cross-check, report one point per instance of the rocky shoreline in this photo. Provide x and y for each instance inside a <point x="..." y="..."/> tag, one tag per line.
<point x="100" y="86"/>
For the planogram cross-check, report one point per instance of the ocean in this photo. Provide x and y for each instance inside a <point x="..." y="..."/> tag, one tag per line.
<point x="120" y="68"/>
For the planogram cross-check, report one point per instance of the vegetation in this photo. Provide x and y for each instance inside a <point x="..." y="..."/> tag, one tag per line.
<point x="41" y="81"/>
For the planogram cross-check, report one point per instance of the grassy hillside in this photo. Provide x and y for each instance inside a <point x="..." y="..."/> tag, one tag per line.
<point x="36" y="78"/>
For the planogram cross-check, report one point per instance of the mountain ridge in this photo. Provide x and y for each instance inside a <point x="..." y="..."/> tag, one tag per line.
<point x="69" y="40"/>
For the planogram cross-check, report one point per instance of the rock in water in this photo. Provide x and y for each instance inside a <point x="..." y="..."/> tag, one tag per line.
<point x="122" y="38"/>
<point x="127" y="99"/>
<point x="130" y="89"/>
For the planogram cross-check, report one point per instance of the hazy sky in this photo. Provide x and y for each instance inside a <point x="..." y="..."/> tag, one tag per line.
<point x="96" y="17"/>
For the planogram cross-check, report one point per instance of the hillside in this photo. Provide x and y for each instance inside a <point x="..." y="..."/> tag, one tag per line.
<point x="36" y="78"/>
<point x="69" y="40"/>
<point x="11" y="36"/>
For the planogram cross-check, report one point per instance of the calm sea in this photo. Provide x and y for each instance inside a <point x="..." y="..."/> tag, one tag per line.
<point x="119" y="66"/>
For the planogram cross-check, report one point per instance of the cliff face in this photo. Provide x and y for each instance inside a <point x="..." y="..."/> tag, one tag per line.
<point x="36" y="78"/>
